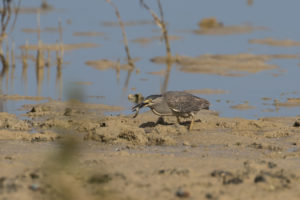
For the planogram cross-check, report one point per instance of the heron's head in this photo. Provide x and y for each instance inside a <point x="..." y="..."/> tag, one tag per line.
<point x="151" y="100"/>
<point x="148" y="102"/>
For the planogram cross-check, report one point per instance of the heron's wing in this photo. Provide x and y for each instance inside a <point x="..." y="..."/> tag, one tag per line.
<point x="183" y="102"/>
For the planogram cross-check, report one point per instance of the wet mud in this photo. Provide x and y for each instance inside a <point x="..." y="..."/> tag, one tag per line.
<point x="148" y="40"/>
<point x="56" y="47"/>
<point x="243" y="106"/>
<point x="225" y="65"/>
<point x="58" y="147"/>
<point x="290" y="102"/>
<point x="211" y="26"/>
<point x="275" y="42"/>
<point x="105" y="64"/>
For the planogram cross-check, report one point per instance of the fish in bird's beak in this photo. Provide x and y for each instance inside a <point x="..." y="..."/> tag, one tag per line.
<point x="137" y="107"/>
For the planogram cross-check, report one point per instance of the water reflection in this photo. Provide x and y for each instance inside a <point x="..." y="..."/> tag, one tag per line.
<point x="43" y="62"/>
<point x="160" y="22"/>
<point x="167" y="77"/>
<point x="43" y="57"/>
<point x="3" y="75"/>
<point x="126" y="46"/>
<point x="24" y="56"/>
<point x="59" y="80"/>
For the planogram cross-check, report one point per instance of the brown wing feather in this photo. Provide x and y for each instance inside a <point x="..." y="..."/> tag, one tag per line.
<point x="184" y="102"/>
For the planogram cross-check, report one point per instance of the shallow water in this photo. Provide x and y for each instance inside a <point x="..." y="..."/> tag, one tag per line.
<point x="182" y="18"/>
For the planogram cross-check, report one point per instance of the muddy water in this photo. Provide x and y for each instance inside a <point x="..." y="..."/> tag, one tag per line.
<point x="220" y="36"/>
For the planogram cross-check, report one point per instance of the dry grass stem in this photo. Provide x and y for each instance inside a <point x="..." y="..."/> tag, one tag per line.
<point x="39" y="56"/>
<point x="16" y="10"/>
<point x="125" y="41"/>
<point x="164" y="31"/>
<point x="161" y="24"/>
<point x="5" y="16"/>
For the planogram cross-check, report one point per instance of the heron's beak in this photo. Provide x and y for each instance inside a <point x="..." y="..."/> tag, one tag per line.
<point x="140" y="105"/>
<point x="137" y="107"/>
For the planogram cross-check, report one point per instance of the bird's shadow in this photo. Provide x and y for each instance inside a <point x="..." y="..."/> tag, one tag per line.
<point x="160" y="121"/>
<point x="188" y="123"/>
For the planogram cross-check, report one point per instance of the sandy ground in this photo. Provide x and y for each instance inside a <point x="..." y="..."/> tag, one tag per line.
<point x="70" y="151"/>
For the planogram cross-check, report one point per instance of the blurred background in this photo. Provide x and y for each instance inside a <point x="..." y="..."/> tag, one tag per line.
<point x="50" y="47"/>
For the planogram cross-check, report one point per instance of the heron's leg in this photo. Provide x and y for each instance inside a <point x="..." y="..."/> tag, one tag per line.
<point x="160" y="120"/>
<point x="192" y="122"/>
<point x="178" y="120"/>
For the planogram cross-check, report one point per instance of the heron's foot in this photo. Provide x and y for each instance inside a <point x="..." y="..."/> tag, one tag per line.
<point x="192" y="123"/>
<point x="187" y="124"/>
<point x="178" y="120"/>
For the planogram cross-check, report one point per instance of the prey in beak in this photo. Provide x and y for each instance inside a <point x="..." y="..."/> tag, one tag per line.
<point x="137" y="107"/>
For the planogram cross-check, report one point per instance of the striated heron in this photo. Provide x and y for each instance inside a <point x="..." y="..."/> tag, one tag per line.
<point x="174" y="103"/>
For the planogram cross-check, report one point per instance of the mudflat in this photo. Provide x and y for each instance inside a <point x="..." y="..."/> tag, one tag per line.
<point x="73" y="151"/>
